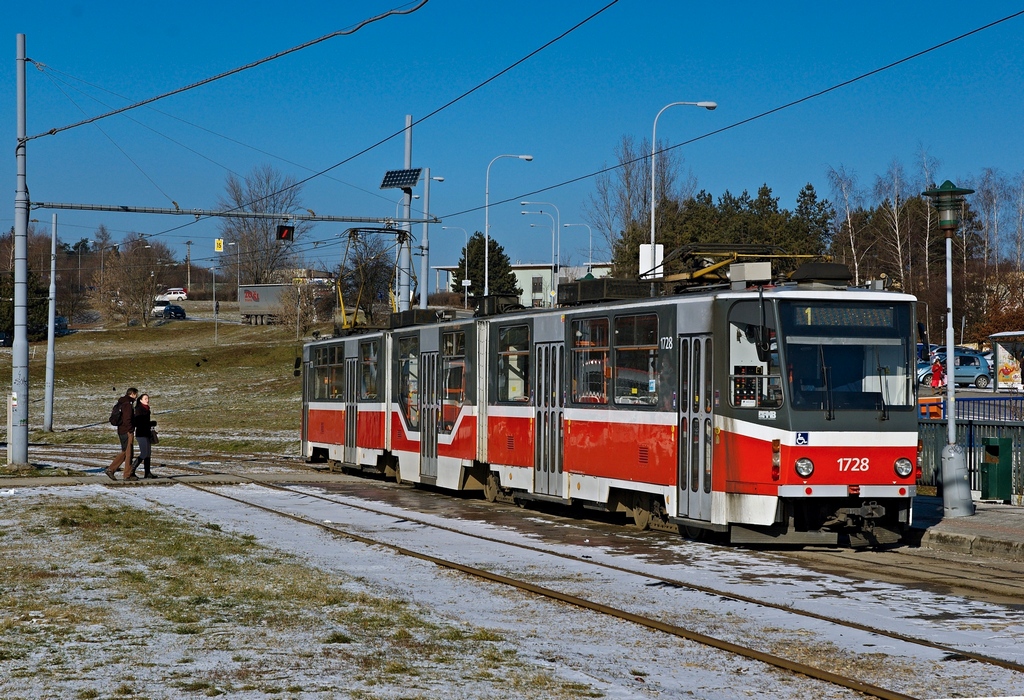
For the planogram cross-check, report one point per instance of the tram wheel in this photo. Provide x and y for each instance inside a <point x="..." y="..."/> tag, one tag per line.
<point x="641" y="511"/>
<point x="492" y="488"/>
<point x="694" y="533"/>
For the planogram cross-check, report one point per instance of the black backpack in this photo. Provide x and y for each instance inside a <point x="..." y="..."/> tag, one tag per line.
<point x="115" y="414"/>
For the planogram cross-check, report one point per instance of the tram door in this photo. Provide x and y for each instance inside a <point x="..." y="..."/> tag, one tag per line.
<point x="351" y="393"/>
<point x="696" y="425"/>
<point x="430" y="412"/>
<point x="547" y="390"/>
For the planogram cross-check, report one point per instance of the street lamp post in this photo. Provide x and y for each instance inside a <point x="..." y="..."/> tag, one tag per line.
<point x="554" y="268"/>
<point x="590" y="264"/>
<point x="102" y="256"/>
<point x="213" y="274"/>
<point x="551" y="286"/>
<point x="558" y="227"/>
<point x="956" y="485"/>
<point x="425" y="247"/>
<point x="465" y="303"/>
<point x="238" y="266"/>
<point x="487" y="220"/>
<point x="654" y="150"/>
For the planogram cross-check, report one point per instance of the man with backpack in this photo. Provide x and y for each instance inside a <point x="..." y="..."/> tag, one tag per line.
<point x="121" y="416"/>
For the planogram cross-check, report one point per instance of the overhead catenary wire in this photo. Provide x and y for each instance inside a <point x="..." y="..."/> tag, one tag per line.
<point x="750" y="119"/>
<point x="225" y="74"/>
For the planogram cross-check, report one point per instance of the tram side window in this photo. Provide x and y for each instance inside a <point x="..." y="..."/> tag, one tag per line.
<point x="321" y="374"/>
<point x="409" y="380"/>
<point x="590" y="367"/>
<point x="755" y="378"/>
<point x="636" y="360"/>
<point x="368" y="370"/>
<point x="453" y="368"/>
<point x="514" y="364"/>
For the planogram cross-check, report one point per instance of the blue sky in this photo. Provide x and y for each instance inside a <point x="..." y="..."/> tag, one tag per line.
<point x="569" y="106"/>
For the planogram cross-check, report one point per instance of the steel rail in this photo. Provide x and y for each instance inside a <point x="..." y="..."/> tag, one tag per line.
<point x="583" y="603"/>
<point x="960" y="653"/>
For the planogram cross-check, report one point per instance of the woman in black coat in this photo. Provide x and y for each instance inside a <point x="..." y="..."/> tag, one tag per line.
<point x="143" y="426"/>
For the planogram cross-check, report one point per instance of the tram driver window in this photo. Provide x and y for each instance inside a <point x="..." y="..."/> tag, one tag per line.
<point x="755" y="378"/>
<point x="514" y="364"/>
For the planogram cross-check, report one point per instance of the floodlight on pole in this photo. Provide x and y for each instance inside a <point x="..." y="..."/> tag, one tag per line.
<point x="654" y="150"/>
<point x="487" y="220"/>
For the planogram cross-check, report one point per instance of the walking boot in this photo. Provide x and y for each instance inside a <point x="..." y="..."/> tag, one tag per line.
<point x="147" y="474"/>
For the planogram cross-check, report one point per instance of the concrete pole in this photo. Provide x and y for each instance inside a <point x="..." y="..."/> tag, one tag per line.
<point x="425" y="258"/>
<point x="213" y="274"/>
<point x="17" y="439"/>
<point x="404" y="248"/>
<point x="48" y="409"/>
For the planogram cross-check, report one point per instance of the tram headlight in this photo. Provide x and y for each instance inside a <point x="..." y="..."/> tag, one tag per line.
<point x="903" y="467"/>
<point x="804" y="467"/>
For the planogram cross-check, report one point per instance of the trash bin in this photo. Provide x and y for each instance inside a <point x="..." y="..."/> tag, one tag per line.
<point x="997" y="469"/>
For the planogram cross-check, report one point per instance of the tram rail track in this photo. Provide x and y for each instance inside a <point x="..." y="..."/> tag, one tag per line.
<point x="743" y="651"/>
<point x="584" y="603"/>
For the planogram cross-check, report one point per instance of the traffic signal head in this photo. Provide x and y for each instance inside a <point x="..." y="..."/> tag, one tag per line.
<point x="285" y="232"/>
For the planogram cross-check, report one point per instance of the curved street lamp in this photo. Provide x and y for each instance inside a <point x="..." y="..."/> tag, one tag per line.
<point x="558" y="227"/>
<point x="554" y="268"/>
<point x="590" y="265"/>
<point x="654" y="150"/>
<point x="487" y="219"/>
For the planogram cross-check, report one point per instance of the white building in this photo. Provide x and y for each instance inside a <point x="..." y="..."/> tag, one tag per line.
<point x="535" y="279"/>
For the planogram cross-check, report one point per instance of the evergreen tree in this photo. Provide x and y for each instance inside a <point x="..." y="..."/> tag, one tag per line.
<point x="37" y="312"/>
<point x="502" y="280"/>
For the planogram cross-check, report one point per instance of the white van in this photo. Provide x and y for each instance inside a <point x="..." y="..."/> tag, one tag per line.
<point x="173" y="294"/>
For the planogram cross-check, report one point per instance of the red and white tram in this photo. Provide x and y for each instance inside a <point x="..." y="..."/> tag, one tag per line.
<point x="773" y="414"/>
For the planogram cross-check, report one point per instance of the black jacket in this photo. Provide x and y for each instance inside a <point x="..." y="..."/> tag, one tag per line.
<point x="143" y="425"/>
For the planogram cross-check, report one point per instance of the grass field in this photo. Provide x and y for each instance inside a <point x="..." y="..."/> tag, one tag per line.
<point x="235" y="395"/>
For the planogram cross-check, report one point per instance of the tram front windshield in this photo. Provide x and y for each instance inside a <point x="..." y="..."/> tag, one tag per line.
<point x="847" y="356"/>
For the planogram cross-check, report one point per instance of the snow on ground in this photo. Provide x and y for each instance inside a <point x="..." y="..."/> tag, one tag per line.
<point x="586" y="654"/>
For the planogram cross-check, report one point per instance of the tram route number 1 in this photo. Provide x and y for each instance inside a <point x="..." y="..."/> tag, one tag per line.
<point x="853" y="464"/>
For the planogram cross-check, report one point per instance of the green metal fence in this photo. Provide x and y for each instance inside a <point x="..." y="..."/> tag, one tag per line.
<point x="971" y="434"/>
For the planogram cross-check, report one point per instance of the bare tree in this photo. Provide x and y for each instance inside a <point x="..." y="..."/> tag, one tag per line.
<point x="623" y="195"/>
<point x="132" y="276"/>
<point x="298" y="307"/>
<point x="367" y="273"/>
<point x="891" y="194"/>
<point x="260" y="255"/>
<point x="848" y="197"/>
<point x="989" y="201"/>
<point x="1018" y="205"/>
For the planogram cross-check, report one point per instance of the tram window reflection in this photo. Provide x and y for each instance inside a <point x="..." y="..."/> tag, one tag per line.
<point x="514" y="364"/>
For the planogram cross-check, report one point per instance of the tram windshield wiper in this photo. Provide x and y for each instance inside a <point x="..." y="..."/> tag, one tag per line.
<point x="883" y="389"/>
<point x="826" y="372"/>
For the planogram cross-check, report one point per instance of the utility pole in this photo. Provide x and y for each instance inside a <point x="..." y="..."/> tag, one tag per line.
<point x="50" y="353"/>
<point x="17" y="400"/>
<point x="188" y="265"/>
<point x="405" y="249"/>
